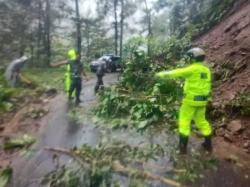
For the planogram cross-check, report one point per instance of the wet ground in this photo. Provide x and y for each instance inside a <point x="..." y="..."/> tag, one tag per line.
<point x="59" y="131"/>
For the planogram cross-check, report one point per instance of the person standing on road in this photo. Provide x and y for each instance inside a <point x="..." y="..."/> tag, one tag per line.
<point x="197" y="90"/>
<point x="100" y="72"/>
<point x="76" y="72"/>
<point x="13" y="72"/>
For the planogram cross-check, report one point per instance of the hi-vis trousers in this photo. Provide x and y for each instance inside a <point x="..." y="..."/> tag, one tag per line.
<point x="188" y="113"/>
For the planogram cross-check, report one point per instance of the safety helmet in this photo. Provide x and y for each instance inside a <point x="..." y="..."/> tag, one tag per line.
<point x="197" y="54"/>
<point x="72" y="54"/>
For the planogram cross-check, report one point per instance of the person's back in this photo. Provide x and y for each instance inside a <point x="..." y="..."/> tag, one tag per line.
<point x="197" y="84"/>
<point x="75" y="68"/>
<point x="73" y="75"/>
<point x="197" y="89"/>
<point x="99" y="74"/>
<point x="100" y="71"/>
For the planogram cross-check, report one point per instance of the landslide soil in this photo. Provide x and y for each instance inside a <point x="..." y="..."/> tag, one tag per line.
<point x="228" y="52"/>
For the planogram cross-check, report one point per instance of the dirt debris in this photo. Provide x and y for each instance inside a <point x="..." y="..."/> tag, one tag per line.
<point x="227" y="47"/>
<point x="23" y="120"/>
<point x="235" y="126"/>
<point x="236" y="132"/>
<point x="228" y="53"/>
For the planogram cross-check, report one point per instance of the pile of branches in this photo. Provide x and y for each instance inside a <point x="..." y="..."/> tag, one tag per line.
<point x="97" y="166"/>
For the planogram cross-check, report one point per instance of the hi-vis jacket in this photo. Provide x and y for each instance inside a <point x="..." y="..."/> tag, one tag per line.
<point x="197" y="86"/>
<point x="67" y="78"/>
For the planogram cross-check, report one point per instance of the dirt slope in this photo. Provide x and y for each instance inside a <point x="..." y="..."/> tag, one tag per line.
<point x="228" y="50"/>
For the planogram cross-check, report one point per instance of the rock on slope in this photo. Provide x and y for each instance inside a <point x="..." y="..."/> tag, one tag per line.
<point x="228" y="50"/>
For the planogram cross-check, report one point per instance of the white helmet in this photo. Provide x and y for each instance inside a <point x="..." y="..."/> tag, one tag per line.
<point x="196" y="54"/>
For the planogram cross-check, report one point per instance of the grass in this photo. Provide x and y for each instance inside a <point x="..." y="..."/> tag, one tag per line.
<point x="47" y="77"/>
<point x="42" y="78"/>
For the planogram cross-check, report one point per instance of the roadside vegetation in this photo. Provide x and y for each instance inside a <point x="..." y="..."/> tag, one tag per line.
<point x="138" y="97"/>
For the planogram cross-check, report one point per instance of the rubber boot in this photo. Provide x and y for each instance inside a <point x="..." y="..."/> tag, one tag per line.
<point x="183" y="144"/>
<point x="207" y="144"/>
<point x="77" y="101"/>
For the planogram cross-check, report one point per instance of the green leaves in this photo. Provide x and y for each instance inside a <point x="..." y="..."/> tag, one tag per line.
<point x="138" y="96"/>
<point x="242" y="103"/>
<point x="100" y="163"/>
<point x="21" y="142"/>
<point x="5" y="176"/>
<point x="62" y="177"/>
<point x="5" y="96"/>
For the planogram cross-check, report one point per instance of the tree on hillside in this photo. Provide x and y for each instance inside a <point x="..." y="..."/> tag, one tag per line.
<point x="127" y="9"/>
<point x="148" y="12"/>
<point x="121" y="26"/>
<point x="78" y="29"/>
<point x="95" y="39"/>
<point x="47" y="31"/>
<point x="28" y="26"/>
<point x="114" y="8"/>
<point x="201" y="15"/>
<point x="116" y="26"/>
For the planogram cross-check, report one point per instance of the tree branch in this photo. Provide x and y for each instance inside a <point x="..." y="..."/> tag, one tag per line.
<point x="117" y="167"/>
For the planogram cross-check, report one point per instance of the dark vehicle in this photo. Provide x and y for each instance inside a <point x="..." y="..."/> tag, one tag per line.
<point x="110" y="61"/>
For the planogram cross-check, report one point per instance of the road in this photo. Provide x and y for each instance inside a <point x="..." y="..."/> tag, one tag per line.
<point x="59" y="131"/>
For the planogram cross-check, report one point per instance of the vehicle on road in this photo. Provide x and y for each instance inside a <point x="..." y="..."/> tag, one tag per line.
<point x="110" y="61"/>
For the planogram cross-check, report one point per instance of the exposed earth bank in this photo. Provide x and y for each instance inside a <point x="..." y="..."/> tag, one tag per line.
<point x="228" y="53"/>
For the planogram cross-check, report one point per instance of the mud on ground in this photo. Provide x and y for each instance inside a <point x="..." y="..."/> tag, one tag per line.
<point x="24" y="119"/>
<point x="228" y="53"/>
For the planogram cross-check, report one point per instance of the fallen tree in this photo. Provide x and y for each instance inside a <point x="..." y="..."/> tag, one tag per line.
<point x="116" y="167"/>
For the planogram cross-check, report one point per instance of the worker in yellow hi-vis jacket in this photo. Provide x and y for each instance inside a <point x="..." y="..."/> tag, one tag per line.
<point x="73" y="75"/>
<point x="197" y="89"/>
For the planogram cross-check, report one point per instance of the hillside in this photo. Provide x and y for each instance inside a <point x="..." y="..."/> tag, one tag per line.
<point x="228" y="50"/>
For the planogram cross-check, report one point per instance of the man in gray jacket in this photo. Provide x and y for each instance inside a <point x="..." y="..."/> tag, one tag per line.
<point x="13" y="72"/>
<point x="100" y="72"/>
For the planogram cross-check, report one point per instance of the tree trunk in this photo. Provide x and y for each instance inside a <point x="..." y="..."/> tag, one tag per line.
<point x="78" y="32"/>
<point x="121" y="27"/>
<point x="116" y="26"/>
<point x="39" y="31"/>
<point x="88" y="39"/>
<point x="47" y="32"/>
<point x="150" y="33"/>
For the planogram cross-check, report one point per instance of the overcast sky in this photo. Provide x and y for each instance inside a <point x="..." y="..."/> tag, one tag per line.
<point x="88" y="9"/>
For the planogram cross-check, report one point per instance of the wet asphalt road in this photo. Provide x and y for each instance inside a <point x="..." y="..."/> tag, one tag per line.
<point x="59" y="131"/>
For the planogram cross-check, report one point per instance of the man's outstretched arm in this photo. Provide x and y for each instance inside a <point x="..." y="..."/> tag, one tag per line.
<point x="180" y="72"/>
<point x="58" y="63"/>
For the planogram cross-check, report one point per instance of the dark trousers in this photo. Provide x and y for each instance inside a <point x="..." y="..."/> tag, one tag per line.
<point x="75" y="84"/>
<point x="99" y="84"/>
